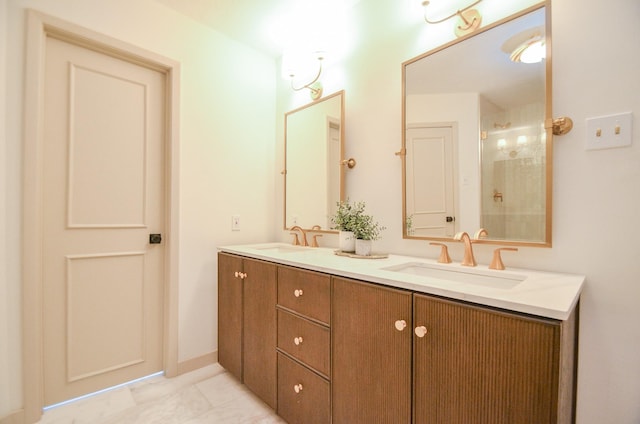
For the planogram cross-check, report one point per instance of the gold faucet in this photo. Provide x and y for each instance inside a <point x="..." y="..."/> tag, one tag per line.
<point x="468" y="259"/>
<point x="481" y="232"/>
<point x="296" y="241"/>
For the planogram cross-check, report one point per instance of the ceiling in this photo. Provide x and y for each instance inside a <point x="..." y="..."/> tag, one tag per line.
<point x="262" y="24"/>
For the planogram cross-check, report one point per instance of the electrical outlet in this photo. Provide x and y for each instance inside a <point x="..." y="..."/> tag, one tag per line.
<point x="235" y="223"/>
<point x="606" y="132"/>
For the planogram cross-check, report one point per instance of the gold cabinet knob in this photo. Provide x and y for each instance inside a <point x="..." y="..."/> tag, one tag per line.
<point x="420" y="331"/>
<point x="297" y="388"/>
<point x="297" y="292"/>
<point x="401" y="324"/>
<point x="297" y="341"/>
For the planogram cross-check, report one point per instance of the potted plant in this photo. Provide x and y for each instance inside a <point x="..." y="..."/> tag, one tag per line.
<point x="344" y="220"/>
<point x="365" y="230"/>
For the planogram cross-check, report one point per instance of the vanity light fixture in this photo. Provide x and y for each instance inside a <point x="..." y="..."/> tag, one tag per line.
<point x="527" y="46"/>
<point x="314" y="86"/>
<point x="469" y="19"/>
<point x="531" y="51"/>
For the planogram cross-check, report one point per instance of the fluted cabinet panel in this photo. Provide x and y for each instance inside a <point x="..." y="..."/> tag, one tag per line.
<point x="371" y="359"/>
<point x="259" y="324"/>
<point x="230" y="313"/>
<point x="477" y="365"/>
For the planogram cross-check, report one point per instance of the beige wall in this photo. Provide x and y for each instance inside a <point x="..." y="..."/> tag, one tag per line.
<point x="226" y="161"/>
<point x="596" y="193"/>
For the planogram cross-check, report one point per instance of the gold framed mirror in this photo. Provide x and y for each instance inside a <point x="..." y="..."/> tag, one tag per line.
<point x="314" y="172"/>
<point x="477" y="139"/>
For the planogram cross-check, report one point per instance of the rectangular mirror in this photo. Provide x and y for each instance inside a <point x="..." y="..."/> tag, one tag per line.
<point x="314" y="175"/>
<point x="476" y="150"/>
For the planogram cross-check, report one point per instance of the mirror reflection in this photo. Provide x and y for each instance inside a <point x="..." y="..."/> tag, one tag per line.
<point x="314" y="176"/>
<point x="475" y="143"/>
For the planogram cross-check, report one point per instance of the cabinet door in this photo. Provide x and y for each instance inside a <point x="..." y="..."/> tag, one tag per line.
<point x="371" y="359"/>
<point x="259" y="324"/>
<point x="230" y="313"/>
<point x="477" y="365"/>
<point x="303" y="396"/>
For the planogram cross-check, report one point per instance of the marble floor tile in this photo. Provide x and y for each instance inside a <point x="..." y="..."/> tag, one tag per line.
<point x="207" y="395"/>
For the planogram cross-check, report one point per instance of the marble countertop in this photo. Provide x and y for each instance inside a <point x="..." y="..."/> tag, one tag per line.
<point x="546" y="294"/>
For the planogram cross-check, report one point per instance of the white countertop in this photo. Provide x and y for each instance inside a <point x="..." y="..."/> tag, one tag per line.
<point x="546" y="294"/>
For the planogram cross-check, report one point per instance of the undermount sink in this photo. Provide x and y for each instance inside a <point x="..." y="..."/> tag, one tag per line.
<point x="280" y="248"/>
<point x="501" y="281"/>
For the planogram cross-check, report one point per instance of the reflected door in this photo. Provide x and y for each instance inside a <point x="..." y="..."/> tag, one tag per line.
<point x="103" y="196"/>
<point x="430" y="181"/>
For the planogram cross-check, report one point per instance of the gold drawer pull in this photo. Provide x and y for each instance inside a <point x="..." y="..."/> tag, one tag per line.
<point x="401" y="324"/>
<point x="297" y="292"/>
<point x="297" y="341"/>
<point x="421" y="331"/>
<point x="297" y="388"/>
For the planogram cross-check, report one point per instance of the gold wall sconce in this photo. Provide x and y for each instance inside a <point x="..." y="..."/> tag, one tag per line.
<point x="469" y="19"/>
<point x="314" y="86"/>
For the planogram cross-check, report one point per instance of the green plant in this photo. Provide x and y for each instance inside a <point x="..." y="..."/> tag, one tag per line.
<point x="346" y="215"/>
<point x="366" y="228"/>
<point x="352" y="217"/>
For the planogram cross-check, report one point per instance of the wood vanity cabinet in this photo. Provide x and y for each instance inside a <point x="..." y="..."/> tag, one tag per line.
<point x="247" y="323"/>
<point x="468" y="364"/>
<point x="304" y="311"/>
<point x="371" y="376"/>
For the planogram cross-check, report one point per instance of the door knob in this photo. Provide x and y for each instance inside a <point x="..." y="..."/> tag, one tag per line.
<point x="297" y="388"/>
<point x="297" y="341"/>
<point x="155" y="238"/>
<point x="297" y="292"/>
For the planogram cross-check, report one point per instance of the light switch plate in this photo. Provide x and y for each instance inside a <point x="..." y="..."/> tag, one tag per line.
<point x="235" y="223"/>
<point x="606" y="132"/>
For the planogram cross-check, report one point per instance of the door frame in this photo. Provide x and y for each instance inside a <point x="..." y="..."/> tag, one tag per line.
<point x="39" y="27"/>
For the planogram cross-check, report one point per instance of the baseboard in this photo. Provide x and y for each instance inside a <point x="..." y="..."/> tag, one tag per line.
<point x="196" y="363"/>
<point x="16" y="417"/>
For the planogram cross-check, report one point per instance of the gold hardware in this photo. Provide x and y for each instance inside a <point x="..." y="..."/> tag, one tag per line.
<point x="297" y="388"/>
<point x="480" y="233"/>
<point x="314" y="240"/>
<point x="297" y="292"/>
<point x="468" y="19"/>
<point x="497" y="195"/>
<point x="303" y="235"/>
<point x="598" y="132"/>
<point x="496" y="262"/>
<point x="283" y="172"/>
<point x="400" y="324"/>
<point x="561" y="126"/>
<point x="315" y="86"/>
<point x="468" y="259"/>
<point x="351" y="163"/>
<point x="402" y="152"/>
<point x="421" y="331"/>
<point x="444" y="253"/>
<point x="297" y="341"/>
<point x="240" y="275"/>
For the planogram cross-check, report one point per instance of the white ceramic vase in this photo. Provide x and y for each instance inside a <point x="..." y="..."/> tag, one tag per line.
<point x="363" y="247"/>
<point x="346" y="241"/>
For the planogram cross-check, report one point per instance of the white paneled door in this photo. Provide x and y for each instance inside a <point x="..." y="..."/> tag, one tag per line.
<point x="430" y="181"/>
<point x="103" y="196"/>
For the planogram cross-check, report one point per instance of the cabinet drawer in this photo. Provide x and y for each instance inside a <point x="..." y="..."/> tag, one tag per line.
<point x="303" y="396"/>
<point x="305" y="292"/>
<point x="304" y="340"/>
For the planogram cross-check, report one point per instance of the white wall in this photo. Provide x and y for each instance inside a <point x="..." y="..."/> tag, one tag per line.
<point x="596" y="193"/>
<point x="226" y="156"/>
